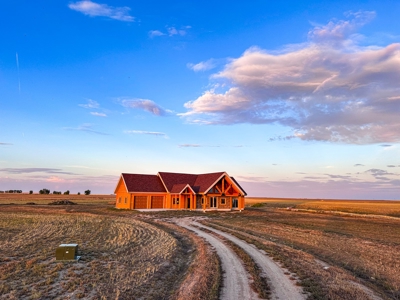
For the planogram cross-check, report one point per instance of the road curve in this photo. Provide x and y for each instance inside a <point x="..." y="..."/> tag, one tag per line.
<point x="281" y="286"/>
<point x="235" y="282"/>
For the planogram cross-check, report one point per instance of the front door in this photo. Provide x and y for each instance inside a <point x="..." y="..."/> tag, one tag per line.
<point x="188" y="202"/>
<point x="213" y="202"/>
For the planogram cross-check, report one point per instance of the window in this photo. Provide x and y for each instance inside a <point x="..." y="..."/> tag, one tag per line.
<point x="202" y="200"/>
<point x="175" y="201"/>
<point x="223" y="201"/>
<point x="119" y="200"/>
<point x="125" y="200"/>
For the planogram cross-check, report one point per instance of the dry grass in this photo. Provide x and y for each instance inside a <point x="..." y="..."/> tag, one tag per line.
<point x="121" y="257"/>
<point x="389" y="208"/>
<point x="369" y="249"/>
<point x="19" y="199"/>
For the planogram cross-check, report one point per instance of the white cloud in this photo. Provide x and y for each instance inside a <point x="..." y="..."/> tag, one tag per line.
<point x="173" y="31"/>
<point x="98" y="114"/>
<point x="190" y="146"/>
<point x="91" y="104"/>
<point x="154" y="33"/>
<point x="155" y="133"/>
<point x="94" y="9"/>
<point x="328" y="89"/>
<point x="202" y="66"/>
<point x="145" y="104"/>
<point x="86" y="128"/>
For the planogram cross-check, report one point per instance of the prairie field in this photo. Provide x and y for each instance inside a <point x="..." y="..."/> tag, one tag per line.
<point x="356" y="249"/>
<point x="133" y="255"/>
<point x="25" y="198"/>
<point x="373" y="207"/>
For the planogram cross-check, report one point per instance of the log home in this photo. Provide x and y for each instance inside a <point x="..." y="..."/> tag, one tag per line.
<point x="212" y="191"/>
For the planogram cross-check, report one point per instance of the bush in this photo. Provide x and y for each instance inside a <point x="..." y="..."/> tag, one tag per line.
<point x="258" y="205"/>
<point x="79" y="193"/>
<point x="87" y="192"/>
<point x="31" y="192"/>
<point x="44" y="192"/>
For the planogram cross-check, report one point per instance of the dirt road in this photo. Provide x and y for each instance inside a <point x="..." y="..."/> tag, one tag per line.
<point x="235" y="279"/>
<point x="281" y="286"/>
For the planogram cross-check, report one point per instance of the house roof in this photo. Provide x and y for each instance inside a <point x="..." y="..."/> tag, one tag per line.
<point x="143" y="183"/>
<point x="199" y="182"/>
<point x="172" y="182"/>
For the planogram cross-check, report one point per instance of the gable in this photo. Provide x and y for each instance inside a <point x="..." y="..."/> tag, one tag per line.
<point x="120" y="188"/>
<point x="225" y="185"/>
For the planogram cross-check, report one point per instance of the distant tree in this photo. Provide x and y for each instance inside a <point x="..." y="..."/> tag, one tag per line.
<point x="66" y="192"/>
<point x="79" y="193"/>
<point x="44" y="192"/>
<point x="56" y="193"/>
<point x="31" y="192"/>
<point x="87" y="192"/>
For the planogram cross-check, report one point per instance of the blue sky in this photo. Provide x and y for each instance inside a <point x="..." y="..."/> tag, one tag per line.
<point x="293" y="99"/>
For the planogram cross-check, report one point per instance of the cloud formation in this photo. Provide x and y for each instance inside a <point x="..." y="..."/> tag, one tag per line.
<point x="98" y="114"/>
<point x="171" y="31"/>
<point x="35" y="170"/>
<point x="327" y="89"/>
<point x="154" y="33"/>
<point x="202" y="66"/>
<point x="94" y="9"/>
<point x="190" y="146"/>
<point x="91" y="104"/>
<point x="86" y="128"/>
<point x="359" y="165"/>
<point x="5" y="144"/>
<point x="146" y="105"/>
<point x="155" y="133"/>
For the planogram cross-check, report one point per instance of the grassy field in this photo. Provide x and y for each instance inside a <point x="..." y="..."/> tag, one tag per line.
<point x="330" y="253"/>
<point x="125" y="254"/>
<point x="354" y="248"/>
<point x="46" y="199"/>
<point x="389" y="208"/>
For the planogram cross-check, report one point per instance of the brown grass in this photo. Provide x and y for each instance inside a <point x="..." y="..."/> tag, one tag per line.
<point x="121" y="257"/>
<point x="366" y="249"/>
<point x="20" y="199"/>
<point x="381" y="207"/>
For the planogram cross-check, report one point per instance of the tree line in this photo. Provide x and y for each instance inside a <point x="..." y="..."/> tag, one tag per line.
<point x="43" y="192"/>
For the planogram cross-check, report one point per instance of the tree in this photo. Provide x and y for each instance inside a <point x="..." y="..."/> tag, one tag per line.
<point x="79" y="193"/>
<point x="87" y="192"/>
<point x="44" y="191"/>
<point x="30" y="192"/>
<point x="66" y="192"/>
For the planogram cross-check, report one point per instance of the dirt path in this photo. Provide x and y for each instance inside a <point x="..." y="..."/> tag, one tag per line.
<point x="235" y="283"/>
<point x="281" y="286"/>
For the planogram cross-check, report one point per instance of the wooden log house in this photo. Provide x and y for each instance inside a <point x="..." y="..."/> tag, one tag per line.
<point x="212" y="191"/>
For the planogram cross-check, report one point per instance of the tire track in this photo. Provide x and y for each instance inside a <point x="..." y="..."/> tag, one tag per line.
<point x="235" y="279"/>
